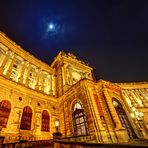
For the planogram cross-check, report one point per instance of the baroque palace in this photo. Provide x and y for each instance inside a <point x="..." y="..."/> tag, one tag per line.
<point x="37" y="100"/>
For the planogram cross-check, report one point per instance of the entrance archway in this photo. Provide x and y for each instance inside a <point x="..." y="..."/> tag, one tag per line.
<point x="79" y="119"/>
<point x="123" y="119"/>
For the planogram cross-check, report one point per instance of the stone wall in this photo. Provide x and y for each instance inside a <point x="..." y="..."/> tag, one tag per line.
<point x="20" y="97"/>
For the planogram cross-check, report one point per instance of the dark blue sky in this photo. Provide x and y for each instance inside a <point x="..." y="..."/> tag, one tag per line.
<point x="110" y="35"/>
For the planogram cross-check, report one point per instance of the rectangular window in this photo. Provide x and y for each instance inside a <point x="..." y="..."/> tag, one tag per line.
<point x="16" y="70"/>
<point x="32" y="77"/>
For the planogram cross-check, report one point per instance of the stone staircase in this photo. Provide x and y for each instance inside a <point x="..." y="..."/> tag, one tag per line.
<point x="139" y="141"/>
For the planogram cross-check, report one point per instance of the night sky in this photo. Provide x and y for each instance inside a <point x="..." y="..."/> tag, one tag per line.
<point x="110" y="35"/>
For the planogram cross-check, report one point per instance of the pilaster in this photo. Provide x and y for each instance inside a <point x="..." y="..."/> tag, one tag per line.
<point x="50" y="83"/>
<point x="22" y="72"/>
<point x="55" y="85"/>
<point x="27" y="76"/>
<point x="38" y="119"/>
<point x="112" y="110"/>
<point x="38" y="79"/>
<point x="7" y="57"/>
<point x="10" y="67"/>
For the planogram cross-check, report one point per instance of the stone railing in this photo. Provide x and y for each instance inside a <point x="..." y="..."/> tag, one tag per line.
<point x="25" y="144"/>
<point x="85" y="138"/>
<point x="71" y="144"/>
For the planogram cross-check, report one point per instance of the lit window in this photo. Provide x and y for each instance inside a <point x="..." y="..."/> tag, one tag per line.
<point x="46" y="80"/>
<point x="45" y="121"/>
<point x="16" y="70"/>
<point x="5" y="108"/>
<point x="26" y="118"/>
<point x="32" y="77"/>
<point x="79" y="120"/>
<point x="77" y="106"/>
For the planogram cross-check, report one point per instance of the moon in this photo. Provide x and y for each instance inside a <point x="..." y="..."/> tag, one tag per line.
<point x="50" y="27"/>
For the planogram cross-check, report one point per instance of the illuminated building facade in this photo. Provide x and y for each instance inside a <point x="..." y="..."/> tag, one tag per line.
<point x="34" y="95"/>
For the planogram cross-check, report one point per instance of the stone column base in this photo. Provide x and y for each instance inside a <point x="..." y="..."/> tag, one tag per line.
<point x="57" y="135"/>
<point x="122" y="135"/>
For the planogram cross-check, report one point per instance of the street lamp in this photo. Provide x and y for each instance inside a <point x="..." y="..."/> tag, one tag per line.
<point x="57" y="134"/>
<point x="57" y="125"/>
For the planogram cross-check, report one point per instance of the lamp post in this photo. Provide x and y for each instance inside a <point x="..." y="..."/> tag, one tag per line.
<point x="57" y="134"/>
<point x="57" y="125"/>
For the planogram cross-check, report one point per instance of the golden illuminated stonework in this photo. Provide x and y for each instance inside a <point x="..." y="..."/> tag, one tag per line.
<point x="34" y="96"/>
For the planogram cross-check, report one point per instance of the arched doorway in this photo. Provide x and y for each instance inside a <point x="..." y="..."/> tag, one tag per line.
<point x="45" y="121"/>
<point x="123" y="118"/>
<point x="79" y="119"/>
<point x="5" y="108"/>
<point x="26" y="118"/>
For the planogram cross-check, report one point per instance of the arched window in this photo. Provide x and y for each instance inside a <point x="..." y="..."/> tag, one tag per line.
<point x="26" y="118"/>
<point x="79" y="119"/>
<point x="123" y="118"/>
<point x="77" y="105"/>
<point x="45" y="121"/>
<point x="5" y="108"/>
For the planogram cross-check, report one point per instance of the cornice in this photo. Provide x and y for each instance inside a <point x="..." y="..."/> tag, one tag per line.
<point x="109" y="85"/>
<point x="70" y="58"/>
<point x="135" y="85"/>
<point x="24" y="90"/>
<point x="23" y="53"/>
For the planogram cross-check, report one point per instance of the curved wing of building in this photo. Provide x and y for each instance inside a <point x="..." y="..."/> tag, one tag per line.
<point x="35" y="95"/>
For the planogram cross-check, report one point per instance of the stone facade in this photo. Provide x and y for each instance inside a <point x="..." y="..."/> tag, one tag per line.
<point x="34" y="95"/>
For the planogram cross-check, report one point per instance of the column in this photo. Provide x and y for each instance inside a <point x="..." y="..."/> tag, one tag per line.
<point x="70" y="74"/>
<point x="8" y="73"/>
<point x="66" y="111"/>
<point x="92" y="96"/>
<point x="27" y="76"/>
<point x="99" y="109"/>
<point x="37" y="126"/>
<point x="19" y="69"/>
<point x="144" y="98"/>
<point x="125" y="96"/>
<point x="42" y="81"/>
<point x="22" y="72"/>
<point x="131" y="98"/>
<point x="137" y="97"/>
<point x="51" y="91"/>
<point x="38" y="79"/>
<point x="112" y="109"/>
<point x="55" y="85"/>
<point x="63" y="75"/>
<point x="2" y="57"/>
<point x="67" y="78"/>
<point x="61" y="82"/>
<point x="15" y="120"/>
<point x="5" y="61"/>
